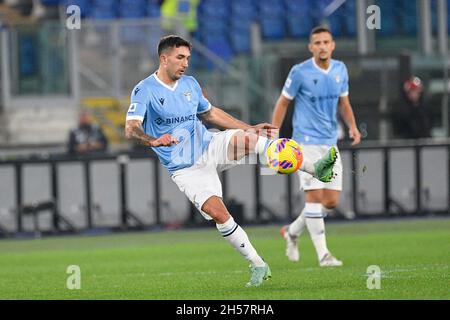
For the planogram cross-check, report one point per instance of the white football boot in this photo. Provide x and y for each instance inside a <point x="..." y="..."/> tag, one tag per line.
<point x="291" y="245"/>
<point x="329" y="261"/>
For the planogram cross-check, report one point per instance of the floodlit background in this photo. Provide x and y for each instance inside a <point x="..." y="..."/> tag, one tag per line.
<point x="63" y="58"/>
<point x="57" y="59"/>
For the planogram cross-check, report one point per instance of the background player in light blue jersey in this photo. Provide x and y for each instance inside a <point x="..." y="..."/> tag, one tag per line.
<point x="319" y="87"/>
<point x="165" y="114"/>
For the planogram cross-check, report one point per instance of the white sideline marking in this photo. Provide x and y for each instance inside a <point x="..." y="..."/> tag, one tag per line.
<point x="386" y="273"/>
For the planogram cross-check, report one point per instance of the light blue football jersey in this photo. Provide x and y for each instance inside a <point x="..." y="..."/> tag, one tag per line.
<point x="165" y="109"/>
<point x="316" y="92"/>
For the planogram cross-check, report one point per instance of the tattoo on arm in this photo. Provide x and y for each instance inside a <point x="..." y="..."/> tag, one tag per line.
<point x="133" y="130"/>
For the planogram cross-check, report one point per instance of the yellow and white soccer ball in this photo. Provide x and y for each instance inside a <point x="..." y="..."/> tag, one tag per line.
<point x="284" y="156"/>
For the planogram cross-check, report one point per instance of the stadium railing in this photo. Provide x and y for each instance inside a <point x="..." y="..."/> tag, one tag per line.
<point x="266" y="210"/>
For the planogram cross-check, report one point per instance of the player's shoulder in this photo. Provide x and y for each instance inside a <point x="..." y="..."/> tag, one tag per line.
<point x="190" y="80"/>
<point x="148" y="82"/>
<point x="339" y="64"/>
<point x="303" y="66"/>
<point x="144" y="87"/>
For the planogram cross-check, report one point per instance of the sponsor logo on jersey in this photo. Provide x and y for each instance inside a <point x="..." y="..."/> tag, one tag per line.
<point x="321" y="98"/>
<point x="174" y="120"/>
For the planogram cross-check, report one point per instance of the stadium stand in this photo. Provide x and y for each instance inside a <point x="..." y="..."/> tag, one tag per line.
<point x="85" y="6"/>
<point x="243" y="14"/>
<point x="153" y="9"/>
<point x="299" y="19"/>
<point x="231" y="20"/>
<point x="224" y="26"/>
<point x="109" y="67"/>
<point x="271" y="18"/>
<point x="278" y="19"/>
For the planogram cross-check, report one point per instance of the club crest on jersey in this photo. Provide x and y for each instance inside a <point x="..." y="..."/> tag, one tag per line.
<point x="187" y="94"/>
<point x="288" y="82"/>
<point x="337" y="78"/>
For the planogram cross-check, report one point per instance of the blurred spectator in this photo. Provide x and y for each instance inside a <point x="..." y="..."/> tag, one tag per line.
<point x="87" y="137"/>
<point x="174" y="12"/>
<point x="413" y="120"/>
<point x="45" y="9"/>
<point x="23" y="6"/>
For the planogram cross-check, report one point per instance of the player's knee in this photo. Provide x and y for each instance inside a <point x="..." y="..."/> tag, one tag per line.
<point x="252" y="140"/>
<point x="330" y="203"/>
<point x="242" y="143"/>
<point x="220" y="216"/>
<point x="216" y="210"/>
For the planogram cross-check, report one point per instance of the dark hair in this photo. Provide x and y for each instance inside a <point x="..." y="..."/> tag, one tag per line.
<point x="172" y="41"/>
<point x="320" y="29"/>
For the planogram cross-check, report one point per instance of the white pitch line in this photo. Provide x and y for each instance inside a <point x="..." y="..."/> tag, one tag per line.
<point x="386" y="273"/>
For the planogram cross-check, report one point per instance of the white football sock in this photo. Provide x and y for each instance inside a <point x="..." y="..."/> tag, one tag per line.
<point x="238" y="238"/>
<point x="298" y="225"/>
<point x="261" y="146"/>
<point x="307" y="165"/>
<point x="326" y="211"/>
<point x="316" y="227"/>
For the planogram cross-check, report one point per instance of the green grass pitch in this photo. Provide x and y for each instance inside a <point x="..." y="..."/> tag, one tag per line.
<point x="414" y="257"/>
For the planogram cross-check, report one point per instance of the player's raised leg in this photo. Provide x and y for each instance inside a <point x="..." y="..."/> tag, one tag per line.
<point x="243" y="143"/>
<point x="238" y="238"/>
<point x="323" y="168"/>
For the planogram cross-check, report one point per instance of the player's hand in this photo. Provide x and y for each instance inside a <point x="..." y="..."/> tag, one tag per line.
<point x="165" y="141"/>
<point x="266" y="130"/>
<point x="355" y="135"/>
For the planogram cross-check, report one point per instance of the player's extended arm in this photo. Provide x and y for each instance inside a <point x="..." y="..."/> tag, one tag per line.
<point x="221" y="119"/>
<point x="280" y="110"/>
<point x="346" y="112"/>
<point x="133" y="130"/>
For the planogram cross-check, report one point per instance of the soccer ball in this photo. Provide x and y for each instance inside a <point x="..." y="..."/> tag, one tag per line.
<point x="284" y="156"/>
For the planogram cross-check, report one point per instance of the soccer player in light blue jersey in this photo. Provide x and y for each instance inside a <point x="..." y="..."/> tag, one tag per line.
<point x="166" y="114"/>
<point x="319" y="87"/>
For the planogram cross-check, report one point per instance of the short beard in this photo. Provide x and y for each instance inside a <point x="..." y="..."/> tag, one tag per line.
<point x="174" y="77"/>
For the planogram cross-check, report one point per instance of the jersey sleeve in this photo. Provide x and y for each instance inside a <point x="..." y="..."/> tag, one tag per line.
<point x="203" y="105"/>
<point x="344" y="87"/>
<point x="138" y="106"/>
<point x="292" y="84"/>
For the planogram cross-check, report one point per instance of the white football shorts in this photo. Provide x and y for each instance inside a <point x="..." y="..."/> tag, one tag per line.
<point x="307" y="181"/>
<point x="201" y="181"/>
